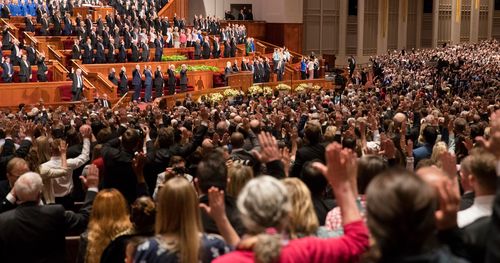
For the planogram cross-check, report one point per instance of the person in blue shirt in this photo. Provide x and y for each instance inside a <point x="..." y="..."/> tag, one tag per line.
<point x="21" y="8"/>
<point x="303" y="68"/>
<point x="14" y="9"/>
<point x="31" y="6"/>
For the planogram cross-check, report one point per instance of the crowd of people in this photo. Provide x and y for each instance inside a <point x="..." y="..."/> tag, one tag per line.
<point x="408" y="160"/>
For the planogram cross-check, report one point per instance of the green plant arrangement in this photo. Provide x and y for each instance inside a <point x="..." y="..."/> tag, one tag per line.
<point x="174" y="58"/>
<point x="231" y="93"/>
<point x="199" y="68"/>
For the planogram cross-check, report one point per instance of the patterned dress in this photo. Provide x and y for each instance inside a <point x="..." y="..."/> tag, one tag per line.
<point x="157" y="250"/>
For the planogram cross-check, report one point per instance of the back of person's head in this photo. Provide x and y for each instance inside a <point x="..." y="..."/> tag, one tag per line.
<point x="438" y="150"/>
<point x="349" y="143"/>
<point x="43" y="149"/>
<point x="143" y="214"/>
<point x="459" y="125"/>
<point x="178" y="213"/>
<point x="400" y="205"/>
<point x="430" y="134"/>
<point x="264" y="204"/>
<point x="54" y="147"/>
<point x="237" y="140"/>
<point x="15" y="168"/>
<point x="28" y="187"/>
<point x="313" y="179"/>
<point x="165" y="137"/>
<point x="312" y="132"/>
<point x="239" y="175"/>
<point x="483" y="175"/>
<point x="104" y="135"/>
<point x="212" y="171"/>
<point x="130" y="140"/>
<point x="109" y="217"/>
<point x="369" y="166"/>
<point x="303" y="220"/>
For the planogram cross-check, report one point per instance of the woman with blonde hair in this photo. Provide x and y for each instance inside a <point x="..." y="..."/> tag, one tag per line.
<point x="179" y="236"/>
<point x="238" y="175"/>
<point x="303" y="221"/>
<point x="438" y="150"/>
<point x="109" y="218"/>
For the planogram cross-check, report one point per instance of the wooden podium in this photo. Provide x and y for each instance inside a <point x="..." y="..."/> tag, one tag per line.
<point x="242" y="79"/>
<point x="94" y="11"/>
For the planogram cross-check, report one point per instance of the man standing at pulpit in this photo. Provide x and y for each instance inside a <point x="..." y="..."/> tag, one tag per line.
<point x="77" y="87"/>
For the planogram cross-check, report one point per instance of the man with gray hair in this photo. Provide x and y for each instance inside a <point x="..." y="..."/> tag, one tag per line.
<point x="42" y="228"/>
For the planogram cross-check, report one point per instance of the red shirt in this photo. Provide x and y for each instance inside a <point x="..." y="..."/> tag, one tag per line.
<point x="347" y="248"/>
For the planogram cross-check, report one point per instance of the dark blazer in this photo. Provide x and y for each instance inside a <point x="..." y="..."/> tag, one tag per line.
<point x="145" y="52"/>
<point x="148" y="78"/>
<point x="227" y="49"/>
<point x="158" y="79"/>
<point x="6" y="70"/>
<point x="99" y="56"/>
<point x="171" y="77"/>
<point x="112" y="78"/>
<point x="29" y="25"/>
<point x="305" y="154"/>
<point x="76" y="86"/>
<point x="158" y="48"/>
<point x="42" y="229"/>
<point x="136" y="78"/>
<point x="206" y="50"/>
<point x="216" y="50"/>
<point x="197" y="50"/>
<point x="75" y="52"/>
<point x="25" y="69"/>
<point x="183" y="78"/>
<point x="123" y="86"/>
<point x="118" y="170"/>
<point x="232" y="214"/>
<point x="31" y="55"/>
<point x="122" y="53"/>
<point x="135" y="53"/>
<point x="110" y="56"/>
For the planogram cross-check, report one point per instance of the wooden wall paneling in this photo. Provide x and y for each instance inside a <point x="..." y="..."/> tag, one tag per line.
<point x="392" y="32"/>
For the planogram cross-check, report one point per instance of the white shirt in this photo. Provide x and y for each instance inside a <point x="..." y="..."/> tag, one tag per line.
<point x="483" y="206"/>
<point x="63" y="186"/>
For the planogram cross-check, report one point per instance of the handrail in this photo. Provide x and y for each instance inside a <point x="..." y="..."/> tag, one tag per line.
<point x="121" y="100"/>
<point x="165" y="8"/>
<point x="55" y="52"/>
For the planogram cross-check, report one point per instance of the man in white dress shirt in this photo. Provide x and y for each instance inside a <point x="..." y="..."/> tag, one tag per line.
<point x="63" y="186"/>
<point x="483" y="180"/>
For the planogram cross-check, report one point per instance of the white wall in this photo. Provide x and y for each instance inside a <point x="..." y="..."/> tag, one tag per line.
<point x="272" y="11"/>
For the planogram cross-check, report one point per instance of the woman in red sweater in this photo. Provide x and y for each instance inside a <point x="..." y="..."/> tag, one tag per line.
<point x="265" y="206"/>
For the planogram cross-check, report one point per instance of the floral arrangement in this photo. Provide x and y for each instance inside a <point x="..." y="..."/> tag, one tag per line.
<point x="316" y="88"/>
<point x="231" y="93"/>
<point x="255" y="90"/>
<point x="301" y="87"/>
<point x="283" y="87"/>
<point x="267" y="90"/>
<point x="199" y="68"/>
<point x="215" y="97"/>
<point x="173" y="58"/>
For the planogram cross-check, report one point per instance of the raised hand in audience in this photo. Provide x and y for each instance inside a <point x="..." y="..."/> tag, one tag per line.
<point x="492" y="144"/>
<point x="92" y="178"/>
<point x="269" y="150"/>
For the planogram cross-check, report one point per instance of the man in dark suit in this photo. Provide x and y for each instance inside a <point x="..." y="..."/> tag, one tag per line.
<point x="122" y="52"/>
<point x="7" y="70"/>
<point x="206" y="48"/>
<point x="15" y="53"/>
<point x="118" y="155"/>
<point x="44" y="30"/>
<point x="158" y="48"/>
<point x="5" y="11"/>
<point x="76" y="52"/>
<point x="158" y="82"/>
<point x="6" y="39"/>
<point x="183" y="78"/>
<point x="123" y="85"/>
<point x="30" y="51"/>
<point x="41" y="228"/>
<point x="135" y="52"/>
<point x="87" y="52"/>
<point x="30" y="27"/>
<point x="137" y="82"/>
<point x="110" y="55"/>
<point x="25" y="70"/>
<point x="171" y="80"/>
<point x="148" y="83"/>
<point x="280" y="70"/>
<point x="216" y="48"/>
<point x="314" y="149"/>
<point x="56" y="20"/>
<point x="112" y="76"/>
<point x="227" y="49"/>
<point x="197" y="49"/>
<point x="68" y="27"/>
<point x="77" y="87"/>
<point x="99" y="56"/>
<point x="42" y="69"/>
<point x="145" y="52"/>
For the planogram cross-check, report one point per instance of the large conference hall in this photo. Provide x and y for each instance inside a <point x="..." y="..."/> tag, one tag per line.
<point x="266" y="131"/>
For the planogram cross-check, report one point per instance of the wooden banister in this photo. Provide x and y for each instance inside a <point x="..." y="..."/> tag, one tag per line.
<point x="178" y="7"/>
<point x="125" y="98"/>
